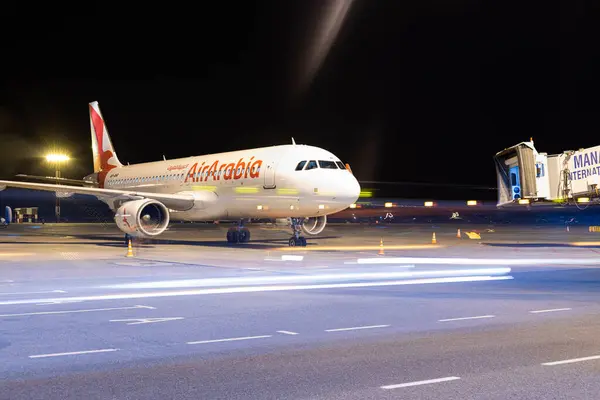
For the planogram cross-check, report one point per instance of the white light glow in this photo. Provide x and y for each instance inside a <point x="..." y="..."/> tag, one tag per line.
<point x="57" y="158"/>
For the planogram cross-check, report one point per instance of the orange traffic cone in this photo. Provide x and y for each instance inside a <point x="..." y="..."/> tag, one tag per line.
<point x="381" y="252"/>
<point x="433" y="241"/>
<point x="458" y="233"/>
<point x="129" y="249"/>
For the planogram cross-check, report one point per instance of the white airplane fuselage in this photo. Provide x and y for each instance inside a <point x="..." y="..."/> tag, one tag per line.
<point x="301" y="183"/>
<point x="256" y="183"/>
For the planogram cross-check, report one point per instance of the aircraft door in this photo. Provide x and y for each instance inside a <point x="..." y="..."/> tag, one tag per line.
<point x="270" y="176"/>
<point x="515" y="182"/>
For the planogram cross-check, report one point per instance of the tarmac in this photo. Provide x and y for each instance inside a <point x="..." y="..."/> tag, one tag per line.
<point x="365" y="311"/>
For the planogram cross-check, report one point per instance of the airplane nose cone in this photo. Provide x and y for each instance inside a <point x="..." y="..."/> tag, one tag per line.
<point x="353" y="190"/>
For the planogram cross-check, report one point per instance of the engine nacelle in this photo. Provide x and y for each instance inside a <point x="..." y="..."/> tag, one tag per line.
<point x="314" y="225"/>
<point x="142" y="218"/>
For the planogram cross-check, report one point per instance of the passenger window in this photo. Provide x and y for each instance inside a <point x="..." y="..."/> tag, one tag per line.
<point x="312" y="164"/>
<point x="340" y="165"/>
<point x="513" y="179"/>
<point x="300" y="165"/>
<point x="327" y="164"/>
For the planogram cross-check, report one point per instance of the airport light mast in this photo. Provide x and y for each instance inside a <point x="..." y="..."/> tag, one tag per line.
<point x="57" y="160"/>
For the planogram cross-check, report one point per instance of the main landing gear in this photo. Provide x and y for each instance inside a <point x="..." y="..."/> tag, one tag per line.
<point x="297" y="240"/>
<point x="238" y="234"/>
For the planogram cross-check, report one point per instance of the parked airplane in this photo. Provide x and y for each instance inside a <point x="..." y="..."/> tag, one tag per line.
<point x="300" y="183"/>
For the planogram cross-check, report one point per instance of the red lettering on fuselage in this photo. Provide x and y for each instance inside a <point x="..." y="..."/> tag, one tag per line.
<point x="255" y="169"/>
<point x="191" y="173"/>
<point x="241" y="170"/>
<point x="229" y="171"/>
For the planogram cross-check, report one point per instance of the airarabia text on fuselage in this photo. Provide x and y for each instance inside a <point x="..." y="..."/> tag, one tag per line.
<point x="240" y="170"/>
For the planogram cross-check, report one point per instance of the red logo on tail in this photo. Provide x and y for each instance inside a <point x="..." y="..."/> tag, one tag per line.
<point x="104" y="155"/>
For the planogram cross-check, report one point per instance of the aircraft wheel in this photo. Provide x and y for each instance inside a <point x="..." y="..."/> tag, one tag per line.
<point x="244" y="235"/>
<point x="292" y="242"/>
<point x="233" y="236"/>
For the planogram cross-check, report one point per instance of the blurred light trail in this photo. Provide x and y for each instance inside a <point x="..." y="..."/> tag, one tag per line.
<point x="257" y="289"/>
<point x="308" y="278"/>
<point x="327" y="29"/>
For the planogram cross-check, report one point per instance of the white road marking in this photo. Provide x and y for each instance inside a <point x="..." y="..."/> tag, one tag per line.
<point x="145" y="320"/>
<point x="356" y="328"/>
<point x="573" y="360"/>
<point x="18" y="293"/>
<point x="74" y="311"/>
<point x="549" y="310"/>
<point x="256" y="289"/>
<point x="56" y="302"/>
<point x="287" y="332"/>
<point x="73" y="353"/>
<point x="292" y="258"/>
<point x="417" y="383"/>
<point x="230" y="339"/>
<point x="465" y="318"/>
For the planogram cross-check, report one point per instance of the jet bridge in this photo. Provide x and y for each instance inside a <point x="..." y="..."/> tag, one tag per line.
<point x="526" y="176"/>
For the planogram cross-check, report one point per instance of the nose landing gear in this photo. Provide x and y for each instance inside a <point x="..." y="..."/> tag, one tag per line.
<point x="297" y="239"/>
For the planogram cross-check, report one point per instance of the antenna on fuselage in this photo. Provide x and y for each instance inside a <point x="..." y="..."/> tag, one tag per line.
<point x="293" y="142"/>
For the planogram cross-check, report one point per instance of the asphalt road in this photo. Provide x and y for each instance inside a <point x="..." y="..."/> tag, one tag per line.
<point x="250" y="325"/>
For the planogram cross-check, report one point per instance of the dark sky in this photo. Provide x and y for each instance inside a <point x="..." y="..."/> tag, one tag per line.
<point x="423" y="91"/>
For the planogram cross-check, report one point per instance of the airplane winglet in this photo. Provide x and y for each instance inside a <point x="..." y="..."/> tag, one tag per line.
<point x="293" y="142"/>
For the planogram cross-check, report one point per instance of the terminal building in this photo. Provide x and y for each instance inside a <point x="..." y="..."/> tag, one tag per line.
<point x="526" y="176"/>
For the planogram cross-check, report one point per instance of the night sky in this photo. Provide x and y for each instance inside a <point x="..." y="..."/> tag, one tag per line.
<point x="418" y="91"/>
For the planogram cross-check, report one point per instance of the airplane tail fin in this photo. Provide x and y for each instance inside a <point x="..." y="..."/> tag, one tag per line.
<point x="105" y="157"/>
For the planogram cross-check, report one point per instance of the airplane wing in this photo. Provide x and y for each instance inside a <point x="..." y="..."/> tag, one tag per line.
<point x="179" y="202"/>
<point x="53" y="179"/>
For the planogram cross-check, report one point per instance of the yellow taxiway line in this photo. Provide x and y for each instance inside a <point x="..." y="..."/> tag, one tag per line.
<point x="362" y="248"/>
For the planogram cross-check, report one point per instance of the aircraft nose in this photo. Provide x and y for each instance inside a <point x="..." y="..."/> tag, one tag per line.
<point x="352" y="189"/>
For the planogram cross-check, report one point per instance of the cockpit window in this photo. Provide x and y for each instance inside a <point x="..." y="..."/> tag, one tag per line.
<point x="340" y="164"/>
<point x="312" y="164"/>
<point x="327" y="164"/>
<point x="300" y="165"/>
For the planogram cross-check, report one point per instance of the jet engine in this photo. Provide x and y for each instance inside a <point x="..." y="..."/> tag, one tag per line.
<point x="142" y="218"/>
<point x="314" y="225"/>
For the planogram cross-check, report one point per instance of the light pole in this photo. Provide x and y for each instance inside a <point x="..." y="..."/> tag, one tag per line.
<point x="57" y="159"/>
